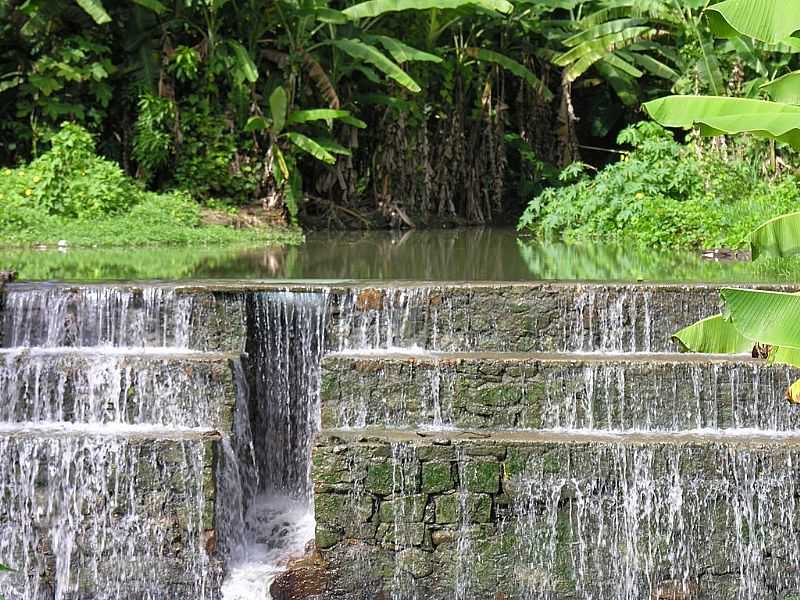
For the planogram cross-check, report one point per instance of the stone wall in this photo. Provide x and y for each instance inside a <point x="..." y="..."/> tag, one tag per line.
<point x="642" y="392"/>
<point x="444" y="516"/>
<point x="132" y="514"/>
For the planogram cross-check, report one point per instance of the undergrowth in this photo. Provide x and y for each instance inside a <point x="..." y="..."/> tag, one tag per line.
<point x="71" y="195"/>
<point x="662" y="194"/>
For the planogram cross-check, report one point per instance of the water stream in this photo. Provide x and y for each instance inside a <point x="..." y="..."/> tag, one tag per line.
<point x="139" y="464"/>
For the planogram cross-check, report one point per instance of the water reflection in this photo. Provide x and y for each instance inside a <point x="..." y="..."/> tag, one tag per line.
<point x="464" y="254"/>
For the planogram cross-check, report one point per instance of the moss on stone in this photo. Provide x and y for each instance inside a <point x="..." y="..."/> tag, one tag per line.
<point x="408" y="509"/>
<point x="482" y="477"/>
<point x="436" y="477"/>
<point x="447" y="509"/>
<point x="379" y="478"/>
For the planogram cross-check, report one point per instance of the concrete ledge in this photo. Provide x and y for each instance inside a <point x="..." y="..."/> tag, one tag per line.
<point x="525" y="317"/>
<point x="544" y="391"/>
<point x="169" y="389"/>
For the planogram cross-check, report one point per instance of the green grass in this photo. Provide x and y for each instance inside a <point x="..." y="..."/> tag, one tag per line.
<point x="70" y="194"/>
<point x="129" y="231"/>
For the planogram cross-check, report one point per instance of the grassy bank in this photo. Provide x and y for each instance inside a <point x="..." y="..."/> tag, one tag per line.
<point x="71" y="196"/>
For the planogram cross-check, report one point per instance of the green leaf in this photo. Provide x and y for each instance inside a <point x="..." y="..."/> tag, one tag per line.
<point x="306" y="144"/>
<point x="353" y="122"/>
<point x="581" y="57"/>
<point x="777" y="237"/>
<point x="317" y="114"/>
<point x="256" y="124"/>
<point x="512" y="66"/>
<point x="785" y="356"/>
<point x="404" y="53"/>
<point x="767" y="317"/>
<point x="278" y="104"/>
<point x="784" y="89"/>
<point x="716" y="115"/>
<point x="375" y="8"/>
<point x="359" y="50"/>
<point x="5" y="568"/>
<point x="333" y="146"/>
<point x="601" y="30"/>
<point x="770" y="21"/>
<point x="244" y="63"/>
<point x="94" y="8"/>
<point x="330" y="15"/>
<point x="153" y="5"/>
<point x="713" y="335"/>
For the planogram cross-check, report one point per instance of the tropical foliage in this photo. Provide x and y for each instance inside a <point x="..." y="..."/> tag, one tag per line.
<point x="767" y="321"/>
<point x="665" y="194"/>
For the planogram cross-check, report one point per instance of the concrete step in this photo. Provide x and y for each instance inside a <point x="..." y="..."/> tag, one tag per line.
<point x="110" y="385"/>
<point x="558" y="515"/>
<point x="513" y="317"/>
<point x="655" y="392"/>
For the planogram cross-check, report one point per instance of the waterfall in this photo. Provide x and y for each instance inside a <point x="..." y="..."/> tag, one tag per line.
<point x="108" y="429"/>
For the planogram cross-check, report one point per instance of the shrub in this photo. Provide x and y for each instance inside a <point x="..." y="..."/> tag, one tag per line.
<point x="661" y="194"/>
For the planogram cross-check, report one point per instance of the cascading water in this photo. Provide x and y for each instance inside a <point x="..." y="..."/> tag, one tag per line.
<point x="287" y="338"/>
<point x="108" y="449"/>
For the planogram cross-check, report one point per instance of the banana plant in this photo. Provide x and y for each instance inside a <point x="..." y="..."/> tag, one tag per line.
<point x="286" y="138"/>
<point x="763" y="320"/>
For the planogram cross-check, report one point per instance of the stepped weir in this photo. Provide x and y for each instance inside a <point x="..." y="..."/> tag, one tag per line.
<point x="435" y="441"/>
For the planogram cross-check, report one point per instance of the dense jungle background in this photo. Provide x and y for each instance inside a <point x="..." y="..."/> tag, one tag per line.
<point x="382" y="113"/>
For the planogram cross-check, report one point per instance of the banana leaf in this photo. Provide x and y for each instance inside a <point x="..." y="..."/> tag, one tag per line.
<point x="512" y="66"/>
<point x="784" y="89"/>
<point x="375" y="8"/>
<point x="767" y="317"/>
<point x="95" y="9"/>
<point x="403" y="52"/>
<point x="713" y="335"/>
<point x="306" y="144"/>
<point x="370" y="54"/>
<point x="777" y="237"/>
<point x="770" y="21"/>
<point x="716" y="115"/>
<point x="278" y="104"/>
<point x="315" y="114"/>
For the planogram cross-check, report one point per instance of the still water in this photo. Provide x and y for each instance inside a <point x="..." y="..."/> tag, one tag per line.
<point x="436" y="255"/>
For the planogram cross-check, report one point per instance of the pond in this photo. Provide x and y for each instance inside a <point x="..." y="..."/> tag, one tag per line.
<point x="435" y="255"/>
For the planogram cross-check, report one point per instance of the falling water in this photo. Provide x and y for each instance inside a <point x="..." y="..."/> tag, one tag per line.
<point x="103" y="511"/>
<point x="97" y="316"/>
<point x="648" y="521"/>
<point x="95" y="387"/>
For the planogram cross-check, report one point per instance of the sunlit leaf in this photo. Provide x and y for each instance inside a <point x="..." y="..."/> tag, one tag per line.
<point x="793" y="392"/>
<point x="403" y="52"/>
<point x="770" y="21"/>
<point x="767" y="317"/>
<point x="370" y="54"/>
<point x="95" y="9"/>
<point x="306" y="144"/>
<point x="784" y="89"/>
<point x="777" y="237"/>
<point x="716" y="115"/>
<point x="713" y="335"/>
<point x="244" y="63"/>
<point x="256" y="124"/>
<point x="374" y="8"/>
<point x="316" y="114"/>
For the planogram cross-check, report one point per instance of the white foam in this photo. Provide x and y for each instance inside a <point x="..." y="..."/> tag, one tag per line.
<point x="278" y="530"/>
